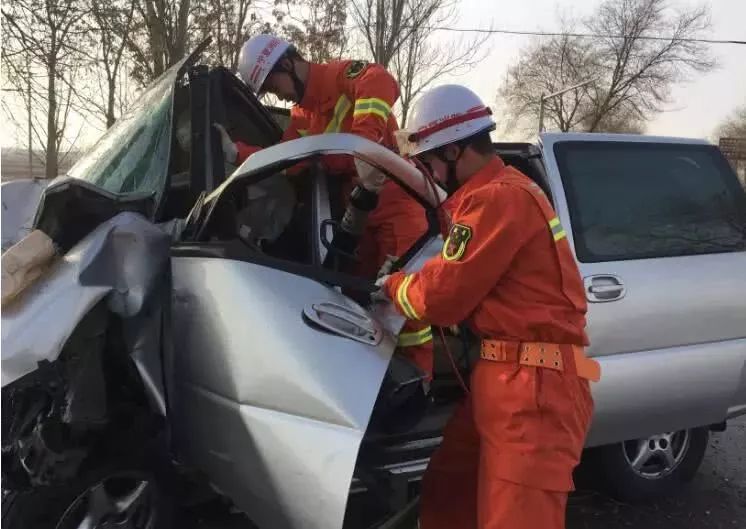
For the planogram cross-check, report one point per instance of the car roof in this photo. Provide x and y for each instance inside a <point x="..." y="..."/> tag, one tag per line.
<point x="550" y="138"/>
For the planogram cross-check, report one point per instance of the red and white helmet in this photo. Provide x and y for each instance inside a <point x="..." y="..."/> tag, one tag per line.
<point x="258" y="56"/>
<point x="444" y="115"/>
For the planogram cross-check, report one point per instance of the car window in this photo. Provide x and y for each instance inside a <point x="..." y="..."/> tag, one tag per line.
<point x="132" y="156"/>
<point x="643" y="200"/>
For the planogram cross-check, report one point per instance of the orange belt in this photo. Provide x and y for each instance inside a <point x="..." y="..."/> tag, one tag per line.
<point x="559" y="357"/>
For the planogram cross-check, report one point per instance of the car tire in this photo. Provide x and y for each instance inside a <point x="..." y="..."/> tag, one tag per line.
<point x="128" y="490"/>
<point x="64" y="506"/>
<point x="646" y="469"/>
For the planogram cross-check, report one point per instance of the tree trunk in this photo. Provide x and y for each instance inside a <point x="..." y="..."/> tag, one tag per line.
<point x="110" y="103"/>
<point x="157" y="37"/>
<point x="51" y="168"/>
<point x="180" y="40"/>
<point x="30" y="117"/>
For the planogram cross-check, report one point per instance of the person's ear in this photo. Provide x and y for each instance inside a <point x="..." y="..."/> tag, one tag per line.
<point x="451" y="152"/>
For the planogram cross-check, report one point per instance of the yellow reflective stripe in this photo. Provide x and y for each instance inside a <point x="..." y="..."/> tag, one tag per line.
<point x="371" y="112"/>
<point x="373" y="101"/>
<point x="401" y="297"/>
<point x="557" y="231"/>
<point x="340" y="111"/>
<point x="410" y="339"/>
<point x="374" y="106"/>
<point x="302" y="132"/>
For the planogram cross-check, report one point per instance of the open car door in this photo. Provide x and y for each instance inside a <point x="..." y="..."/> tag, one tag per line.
<point x="275" y="372"/>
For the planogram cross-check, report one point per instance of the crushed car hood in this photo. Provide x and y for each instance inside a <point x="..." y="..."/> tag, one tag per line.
<point x="121" y="260"/>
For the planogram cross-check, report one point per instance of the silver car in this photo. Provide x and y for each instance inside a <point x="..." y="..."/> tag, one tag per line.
<point x="195" y="354"/>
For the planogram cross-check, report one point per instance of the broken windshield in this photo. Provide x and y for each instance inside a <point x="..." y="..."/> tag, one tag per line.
<point x="132" y="156"/>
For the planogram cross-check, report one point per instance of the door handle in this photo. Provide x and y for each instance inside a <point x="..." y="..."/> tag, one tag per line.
<point x="604" y="288"/>
<point x="344" y="321"/>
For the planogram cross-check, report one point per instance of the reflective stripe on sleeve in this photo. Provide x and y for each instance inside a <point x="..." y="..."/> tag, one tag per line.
<point x="403" y="300"/>
<point x="409" y="339"/>
<point x="372" y="105"/>
<point x="557" y="231"/>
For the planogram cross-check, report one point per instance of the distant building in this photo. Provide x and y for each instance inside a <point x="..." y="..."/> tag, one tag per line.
<point x="14" y="164"/>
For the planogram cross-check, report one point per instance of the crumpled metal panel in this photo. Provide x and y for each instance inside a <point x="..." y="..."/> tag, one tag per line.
<point x="270" y="406"/>
<point x="122" y="259"/>
<point x="20" y="199"/>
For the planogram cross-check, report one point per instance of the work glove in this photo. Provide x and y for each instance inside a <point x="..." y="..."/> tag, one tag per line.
<point x="370" y="178"/>
<point x="230" y="151"/>
<point x="380" y="293"/>
<point x="387" y="266"/>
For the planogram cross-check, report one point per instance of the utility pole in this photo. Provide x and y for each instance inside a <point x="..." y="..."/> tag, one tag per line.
<point x="544" y="98"/>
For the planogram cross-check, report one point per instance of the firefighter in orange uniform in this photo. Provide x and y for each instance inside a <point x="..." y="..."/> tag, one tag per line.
<point x="343" y="96"/>
<point x="506" y="268"/>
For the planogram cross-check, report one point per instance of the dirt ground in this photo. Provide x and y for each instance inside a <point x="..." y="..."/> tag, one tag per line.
<point x="716" y="499"/>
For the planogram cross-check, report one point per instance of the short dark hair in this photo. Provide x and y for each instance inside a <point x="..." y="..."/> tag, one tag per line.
<point x="291" y="54"/>
<point x="481" y="143"/>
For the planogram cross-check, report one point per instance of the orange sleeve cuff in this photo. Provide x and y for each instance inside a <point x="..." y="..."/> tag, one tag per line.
<point x="391" y="286"/>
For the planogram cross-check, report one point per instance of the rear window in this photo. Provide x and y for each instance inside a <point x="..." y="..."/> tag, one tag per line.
<point x="646" y="200"/>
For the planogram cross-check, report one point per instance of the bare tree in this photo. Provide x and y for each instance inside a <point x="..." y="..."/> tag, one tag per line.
<point x="547" y="67"/>
<point x="639" y="73"/>
<point x="420" y="61"/>
<point x="387" y="25"/>
<point x="315" y="27"/>
<point x="159" y="36"/>
<point x="735" y="125"/>
<point x="228" y="22"/>
<point x="625" y="121"/>
<point x="112" y="23"/>
<point x="44" y="41"/>
<point x="399" y="35"/>
<point x="632" y="75"/>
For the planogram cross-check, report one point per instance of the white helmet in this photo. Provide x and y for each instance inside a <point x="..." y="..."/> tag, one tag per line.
<point x="258" y="56"/>
<point x="444" y="115"/>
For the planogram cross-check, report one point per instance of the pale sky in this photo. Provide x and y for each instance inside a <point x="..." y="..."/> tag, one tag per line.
<point x="697" y="106"/>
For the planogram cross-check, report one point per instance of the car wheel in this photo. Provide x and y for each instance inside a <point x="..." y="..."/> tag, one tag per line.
<point x="645" y="469"/>
<point x="111" y="496"/>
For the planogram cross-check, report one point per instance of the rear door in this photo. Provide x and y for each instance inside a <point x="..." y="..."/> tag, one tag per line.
<point x="659" y="230"/>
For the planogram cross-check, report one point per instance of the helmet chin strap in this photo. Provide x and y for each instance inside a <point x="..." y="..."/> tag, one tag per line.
<point x="300" y="88"/>
<point x="451" y="183"/>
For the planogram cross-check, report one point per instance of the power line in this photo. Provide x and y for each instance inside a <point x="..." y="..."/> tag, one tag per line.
<point x="580" y="35"/>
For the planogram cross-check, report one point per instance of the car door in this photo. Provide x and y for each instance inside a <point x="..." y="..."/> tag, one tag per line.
<point x="275" y="377"/>
<point x="274" y="372"/>
<point x="659" y="230"/>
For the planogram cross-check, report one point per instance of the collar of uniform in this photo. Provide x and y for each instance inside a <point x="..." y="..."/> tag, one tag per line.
<point x="478" y="179"/>
<point x="318" y="93"/>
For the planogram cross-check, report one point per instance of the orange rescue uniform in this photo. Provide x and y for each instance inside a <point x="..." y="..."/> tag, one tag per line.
<point x="356" y="97"/>
<point x="507" y="269"/>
